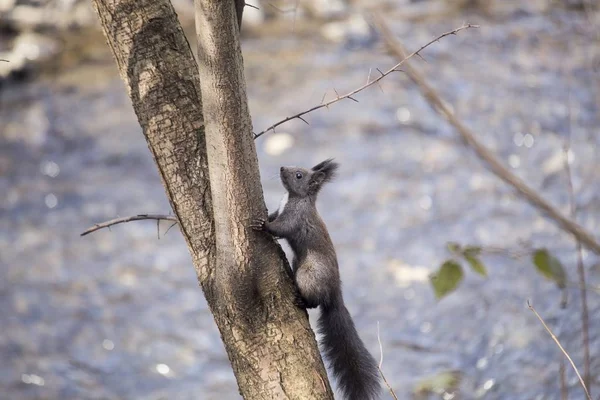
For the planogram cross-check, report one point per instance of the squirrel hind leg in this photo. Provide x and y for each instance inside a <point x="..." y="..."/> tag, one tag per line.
<point x="300" y="302"/>
<point x="313" y="286"/>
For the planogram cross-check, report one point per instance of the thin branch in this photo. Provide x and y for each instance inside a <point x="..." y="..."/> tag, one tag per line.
<point x="303" y="120"/>
<point x="169" y="228"/>
<point x="562" y="373"/>
<point x="585" y="317"/>
<point x="593" y="288"/>
<point x="281" y="10"/>
<point x="561" y="349"/>
<point x="290" y="10"/>
<point x="323" y="99"/>
<point x="485" y="154"/>
<point x="516" y="254"/>
<point x="350" y="95"/>
<point x="139" y="217"/>
<point x="381" y="363"/>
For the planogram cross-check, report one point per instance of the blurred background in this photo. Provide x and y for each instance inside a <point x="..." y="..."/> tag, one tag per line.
<point x="119" y="314"/>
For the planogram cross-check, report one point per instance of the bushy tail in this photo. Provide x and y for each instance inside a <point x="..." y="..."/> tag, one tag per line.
<point x="354" y="368"/>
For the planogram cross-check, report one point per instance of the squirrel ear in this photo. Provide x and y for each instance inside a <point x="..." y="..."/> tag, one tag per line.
<point x="317" y="179"/>
<point x="322" y="164"/>
<point x="322" y="172"/>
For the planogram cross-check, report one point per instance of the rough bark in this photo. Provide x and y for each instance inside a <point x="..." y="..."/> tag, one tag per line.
<point x="254" y="275"/>
<point x="243" y="274"/>
<point x="156" y="63"/>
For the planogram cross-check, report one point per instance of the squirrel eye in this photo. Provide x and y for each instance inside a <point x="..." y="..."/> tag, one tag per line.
<point x="298" y="175"/>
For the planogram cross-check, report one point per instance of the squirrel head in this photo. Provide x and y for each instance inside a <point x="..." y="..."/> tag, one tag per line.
<point x="303" y="182"/>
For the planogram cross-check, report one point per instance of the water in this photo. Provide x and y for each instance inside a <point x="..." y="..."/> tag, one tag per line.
<point x="119" y="314"/>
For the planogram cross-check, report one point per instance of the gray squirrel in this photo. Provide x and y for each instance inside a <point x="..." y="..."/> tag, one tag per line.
<point x="317" y="277"/>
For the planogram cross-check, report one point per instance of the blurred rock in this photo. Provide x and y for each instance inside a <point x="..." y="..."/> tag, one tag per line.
<point x="27" y="49"/>
<point x="354" y="31"/>
<point x="327" y="9"/>
<point x="581" y="4"/>
<point x="500" y="8"/>
<point x="6" y="5"/>
<point x="419" y="10"/>
<point x="53" y="14"/>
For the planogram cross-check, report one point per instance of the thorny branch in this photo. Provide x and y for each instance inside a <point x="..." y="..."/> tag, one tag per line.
<point x="369" y="83"/>
<point x="585" y="318"/>
<point x="139" y="217"/>
<point x="485" y="154"/>
<point x="553" y="336"/>
<point x="299" y="116"/>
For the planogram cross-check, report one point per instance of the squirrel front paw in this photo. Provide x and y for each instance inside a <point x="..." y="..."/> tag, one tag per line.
<point x="258" y="224"/>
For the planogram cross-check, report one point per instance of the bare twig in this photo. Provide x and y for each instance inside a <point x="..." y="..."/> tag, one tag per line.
<point x="286" y="11"/>
<point x="169" y="228"/>
<point x="562" y="373"/>
<point x="350" y="95"/>
<point x="593" y="288"/>
<point x="561" y="349"/>
<point x="139" y="217"/>
<point x="281" y="10"/>
<point x="510" y="253"/>
<point x="381" y="363"/>
<point x="585" y="318"/>
<point x="485" y="154"/>
<point x="380" y="347"/>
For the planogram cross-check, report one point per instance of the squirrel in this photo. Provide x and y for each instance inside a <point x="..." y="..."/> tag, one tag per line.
<point x="316" y="273"/>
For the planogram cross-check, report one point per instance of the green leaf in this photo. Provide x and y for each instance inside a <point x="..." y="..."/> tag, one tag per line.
<point x="474" y="251"/>
<point x="447" y="278"/>
<point x="476" y="264"/>
<point x="453" y="247"/>
<point x="550" y="267"/>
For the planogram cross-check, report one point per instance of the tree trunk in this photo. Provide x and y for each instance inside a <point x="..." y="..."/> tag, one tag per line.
<point x="244" y="274"/>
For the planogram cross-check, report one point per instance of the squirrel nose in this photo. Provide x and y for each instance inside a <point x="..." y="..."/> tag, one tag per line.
<point x="281" y="169"/>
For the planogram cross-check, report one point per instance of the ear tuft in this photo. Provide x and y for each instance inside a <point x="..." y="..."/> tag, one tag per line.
<point x="328" y="168"/>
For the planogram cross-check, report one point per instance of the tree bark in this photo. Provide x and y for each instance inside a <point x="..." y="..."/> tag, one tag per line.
<point x="244" y="274"/>
<point x="156" y="63"/>
<point x="263" y="326"/>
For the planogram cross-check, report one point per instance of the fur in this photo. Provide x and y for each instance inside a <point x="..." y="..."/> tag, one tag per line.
<point x="317" y="277"/>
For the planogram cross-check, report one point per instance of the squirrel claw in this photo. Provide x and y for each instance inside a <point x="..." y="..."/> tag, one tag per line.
<point x="299" y="302"/>
<point x="257" y="224"/>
